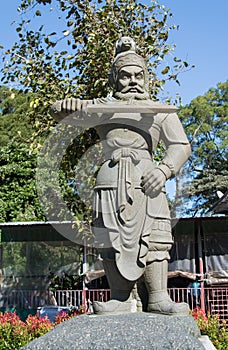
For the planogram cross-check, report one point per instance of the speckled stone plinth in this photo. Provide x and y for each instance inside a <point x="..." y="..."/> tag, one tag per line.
<point x="127" y="331"/>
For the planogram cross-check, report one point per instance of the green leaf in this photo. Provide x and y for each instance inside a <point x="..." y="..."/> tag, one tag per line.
<point x="165" y="70"/>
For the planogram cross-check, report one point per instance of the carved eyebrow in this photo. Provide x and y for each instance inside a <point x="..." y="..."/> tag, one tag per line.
<point x="127" y="72"/>
<point x="124" y="72"/>
<point x="141" y="72"/>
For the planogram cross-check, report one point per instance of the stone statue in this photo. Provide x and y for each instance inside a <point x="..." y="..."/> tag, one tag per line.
<point x="131" y="220"/>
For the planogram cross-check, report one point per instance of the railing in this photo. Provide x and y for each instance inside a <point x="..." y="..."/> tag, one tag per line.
<point x="210" y="300"/>
<point x="214" y="300"/>
<point x="81" y="298"/>
<point x="26" y="299"/>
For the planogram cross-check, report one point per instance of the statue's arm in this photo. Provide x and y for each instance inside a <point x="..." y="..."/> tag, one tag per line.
<point x="177" y="146"/>
<point x="177" y="152"/>
<point x="66" y="107"/>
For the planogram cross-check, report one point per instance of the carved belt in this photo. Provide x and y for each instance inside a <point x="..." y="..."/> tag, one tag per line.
<point x="127" y="158"/>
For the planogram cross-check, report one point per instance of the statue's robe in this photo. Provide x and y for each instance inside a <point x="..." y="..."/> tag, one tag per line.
<point x="123" y="214"/>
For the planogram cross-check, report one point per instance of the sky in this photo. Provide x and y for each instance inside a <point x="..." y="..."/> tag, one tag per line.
<point x="201" y="40"/>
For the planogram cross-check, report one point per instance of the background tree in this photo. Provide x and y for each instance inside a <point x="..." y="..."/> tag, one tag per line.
<point x="73" y="59"/>
<point x="14" y="120"/>
<point x="205" y="120"/>
<point x="18" y="198"/>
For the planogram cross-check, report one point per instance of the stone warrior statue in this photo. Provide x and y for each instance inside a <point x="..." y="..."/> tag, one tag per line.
<point x="131" y="219"/>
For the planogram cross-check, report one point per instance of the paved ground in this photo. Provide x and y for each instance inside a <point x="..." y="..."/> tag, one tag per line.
<point x="137" y="331"/>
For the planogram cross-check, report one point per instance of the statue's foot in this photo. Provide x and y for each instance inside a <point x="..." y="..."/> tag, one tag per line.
<point x="169" y="307"/>
<point x="112" y="307"/>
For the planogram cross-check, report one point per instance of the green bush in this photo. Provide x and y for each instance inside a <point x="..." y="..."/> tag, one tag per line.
<point x="210" y="325"/>
<point x="15" y="333"/>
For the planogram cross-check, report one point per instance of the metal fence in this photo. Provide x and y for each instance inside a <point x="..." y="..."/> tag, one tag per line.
<point x="81" y="298"/>
<point x="212" y="300"/>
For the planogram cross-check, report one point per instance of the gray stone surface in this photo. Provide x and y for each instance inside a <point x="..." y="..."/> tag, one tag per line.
<point x="127" y="331"/>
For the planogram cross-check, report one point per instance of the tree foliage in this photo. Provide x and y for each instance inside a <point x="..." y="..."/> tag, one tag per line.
<point x="18" y="195"/>
<point x="14" y="120"/>
<point x="70" y="58"/>
<point x="18" y="198"/>
<point x="74" y="57"/>
<point x="205" y="120"/>
<point x="19" y="192"/>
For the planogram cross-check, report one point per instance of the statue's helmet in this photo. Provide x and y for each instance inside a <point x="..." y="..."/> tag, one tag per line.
<point x="126" y="57"/>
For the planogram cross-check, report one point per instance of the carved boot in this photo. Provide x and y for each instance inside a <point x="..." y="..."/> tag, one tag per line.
<point x="121" y="288"/>
<point x="158" y="298"/>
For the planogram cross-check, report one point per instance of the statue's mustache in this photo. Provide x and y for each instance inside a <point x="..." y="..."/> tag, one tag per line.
<point x="129" y="88"/>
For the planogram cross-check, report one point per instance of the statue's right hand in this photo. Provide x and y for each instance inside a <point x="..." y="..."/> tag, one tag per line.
<point x="63" y="108"/>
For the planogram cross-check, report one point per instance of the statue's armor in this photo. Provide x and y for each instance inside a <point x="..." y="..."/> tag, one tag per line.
<point x="131" y="219"/>
<point x="132" y="224"/>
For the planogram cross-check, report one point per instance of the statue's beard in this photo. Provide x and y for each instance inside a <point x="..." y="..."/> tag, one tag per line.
<point x="126" y="94"/>
<point x="131" y="95"/>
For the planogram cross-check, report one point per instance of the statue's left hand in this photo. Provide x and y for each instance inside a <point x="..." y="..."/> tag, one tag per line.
<point x="153" y="181"/>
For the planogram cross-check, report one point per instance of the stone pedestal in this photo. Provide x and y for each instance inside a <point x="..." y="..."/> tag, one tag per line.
<point x="135" y="331"/>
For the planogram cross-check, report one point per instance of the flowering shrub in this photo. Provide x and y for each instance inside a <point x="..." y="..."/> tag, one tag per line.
<point x="61" y="317"/>
<point x="64" y="316"/>
<point x="209" y="325"/>
<point x="15" y="333"/>
<point x="37" y="326"/>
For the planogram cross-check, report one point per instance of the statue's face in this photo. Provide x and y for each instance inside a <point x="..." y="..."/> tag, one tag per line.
<point x="131" y="81"/>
